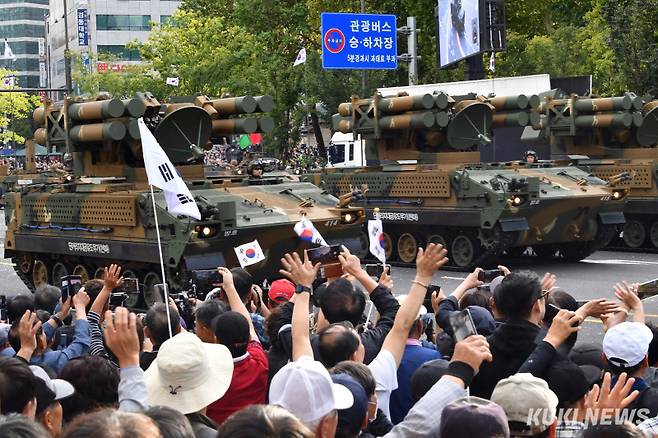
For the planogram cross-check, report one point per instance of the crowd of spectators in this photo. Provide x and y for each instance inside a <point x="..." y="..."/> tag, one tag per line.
<point x="301" y="359"/>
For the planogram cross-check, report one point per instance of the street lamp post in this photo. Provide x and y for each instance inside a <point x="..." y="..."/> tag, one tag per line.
<point x="67" y="52"/>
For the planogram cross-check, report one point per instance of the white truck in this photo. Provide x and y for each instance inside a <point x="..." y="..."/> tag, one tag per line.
<point x="345" y="151"/>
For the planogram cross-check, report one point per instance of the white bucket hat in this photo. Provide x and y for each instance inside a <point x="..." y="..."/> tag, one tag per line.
<point x="188" y="375"/>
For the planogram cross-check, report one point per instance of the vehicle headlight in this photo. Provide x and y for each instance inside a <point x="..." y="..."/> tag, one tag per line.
<point x="204" y="231"/>
<point x="348" y="218"/>
<point x="517" y="200"/>
<point x="618" y="194"/>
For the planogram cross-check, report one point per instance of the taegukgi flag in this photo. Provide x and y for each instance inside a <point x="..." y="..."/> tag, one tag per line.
<point x="162" y="174"/>
<point x="301" y="57"/>
<point x="376" y="236"/>
<point x="307" y="232"/>
<point x="249" y="253"/>
<point x="173" y="82"/>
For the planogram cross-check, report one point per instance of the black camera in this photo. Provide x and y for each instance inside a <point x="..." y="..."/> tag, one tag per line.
<point x="117" y="299"/>
<point x="488" y="276"/>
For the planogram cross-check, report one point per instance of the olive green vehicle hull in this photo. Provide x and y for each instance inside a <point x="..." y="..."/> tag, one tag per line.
<point x="464" y="209"/>
<point x="87" y="227"/>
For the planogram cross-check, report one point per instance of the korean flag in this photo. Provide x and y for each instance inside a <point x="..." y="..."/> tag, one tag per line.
<point x="162" y="174"/>
<point x="376" y="236"/>
<point x="249" y="253"/>
<point x="308" y="233"/>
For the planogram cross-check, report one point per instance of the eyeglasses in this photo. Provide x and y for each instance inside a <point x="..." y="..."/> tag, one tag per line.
<point x="544" y="294"/>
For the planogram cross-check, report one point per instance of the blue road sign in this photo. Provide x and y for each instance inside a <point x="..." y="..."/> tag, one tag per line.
<point x="359" y="41"/>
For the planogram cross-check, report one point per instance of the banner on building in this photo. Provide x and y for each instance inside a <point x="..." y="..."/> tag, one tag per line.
<point x="83" y="28"/>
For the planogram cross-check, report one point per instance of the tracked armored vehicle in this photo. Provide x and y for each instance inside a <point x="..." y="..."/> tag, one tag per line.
<point x="423" y="173"/>
<point x="608" y="136"/>
<point x="101" y="211"/>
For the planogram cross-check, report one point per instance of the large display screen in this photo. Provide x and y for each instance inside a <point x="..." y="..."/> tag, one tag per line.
<point x="458" y="30"/>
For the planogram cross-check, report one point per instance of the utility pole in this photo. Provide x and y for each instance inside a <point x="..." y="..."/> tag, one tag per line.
<point x="412" y="49"/>
<point x="67" y="52"/>
<point x="364" y="73"/>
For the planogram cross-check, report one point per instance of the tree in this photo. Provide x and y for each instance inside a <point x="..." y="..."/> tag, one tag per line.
<point x="15" y="109"/>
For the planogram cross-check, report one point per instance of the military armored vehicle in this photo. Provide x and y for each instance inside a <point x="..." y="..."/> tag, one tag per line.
<point x="608" y="136"/>
<point x="101" y="212"/>
<point x="423" y="173"/>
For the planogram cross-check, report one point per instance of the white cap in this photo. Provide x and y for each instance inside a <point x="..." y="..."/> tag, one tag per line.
<point x="61" y="388"/>
<point x="626" y="344"/>
<point x="188" y="375"/>
<point x="421" y="312"/>
<point x="523" y="395"/>
<point x="304" y="387"/>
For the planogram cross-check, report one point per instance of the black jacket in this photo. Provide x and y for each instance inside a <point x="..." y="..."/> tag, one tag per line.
<point x="387" y="306"/>
<point x="202" y="426"/>
<point x="511" y="344"/>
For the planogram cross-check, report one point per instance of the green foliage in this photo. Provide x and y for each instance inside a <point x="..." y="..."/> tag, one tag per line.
<point x="15" y="109"/>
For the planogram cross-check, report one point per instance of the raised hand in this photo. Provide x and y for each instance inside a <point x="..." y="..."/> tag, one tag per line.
<point x="600" y="400"/>
<point x="429" y="260"/>
<point x="28" y="327"/>
<point x="112" y="277"/>
<point x="351" y="263"/>
<point x="473" y="351"/>
<point x="121" y="336"/>
<point x="298" y="271"/>
<point x="564" y="324"/>
<point x="386" y="280"/>
<point x="548" y="281"/>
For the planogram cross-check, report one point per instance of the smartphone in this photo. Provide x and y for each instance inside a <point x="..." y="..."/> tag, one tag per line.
<point x="325" y="255"/>
<point x="488" y="276"/>
<point x="462" y="325"/>
<point x="3" y="307"/>
<point x="376" y="270"/>
<point x="130" y="285"/>
<point x="71" y="284"/>
<point x="551" y="311"/>
<point x="648" y="289"/>
<point x="207" y="279"/>
<point x="117" y="299"/>
<point x="427" y="302"/>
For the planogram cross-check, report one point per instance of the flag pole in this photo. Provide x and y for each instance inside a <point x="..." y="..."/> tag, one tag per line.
<point x="165" y="288"/>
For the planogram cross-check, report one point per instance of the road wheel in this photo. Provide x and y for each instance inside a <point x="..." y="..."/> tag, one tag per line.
<point x="133" y="299"/>
<point x="152" y="293"/>
<point x="634" y="233"/>
<point x="389" y="248"/>
<point x="59" y="270"/>
<point x="39" y="273"/>
<point x="439" y="239"/>
<point x="407" y="247"/>
<point x="463" y="251"/>
<point x="24" y="263"/>
<point x="99" y="274"/>
<point x="81" y="270"/>
<point x="653" y="234"/>
<point x="544" y="251"/>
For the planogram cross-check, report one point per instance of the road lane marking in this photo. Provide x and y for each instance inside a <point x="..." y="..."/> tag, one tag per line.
<point x="6" y="263"/>
<point x="452" y="278"/>
<point x="620" y="262"/>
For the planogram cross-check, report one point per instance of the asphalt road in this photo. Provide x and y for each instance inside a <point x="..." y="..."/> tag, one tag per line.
<point x="588" y="279"/>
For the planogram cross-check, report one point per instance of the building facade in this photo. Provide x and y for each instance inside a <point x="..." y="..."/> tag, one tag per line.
<point x="101" y="29"/>
<point x="22" y="24"/>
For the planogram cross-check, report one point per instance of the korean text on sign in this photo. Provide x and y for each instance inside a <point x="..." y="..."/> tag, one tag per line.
<point x="359" y="41"/>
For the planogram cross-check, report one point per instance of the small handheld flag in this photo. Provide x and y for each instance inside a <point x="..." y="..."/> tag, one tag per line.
<point x="308" y="233"/>
<point x="249" y="254"/>
<point x="376" y="236"/>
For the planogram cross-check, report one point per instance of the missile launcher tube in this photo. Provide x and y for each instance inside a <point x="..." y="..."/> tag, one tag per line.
<point x="234" y="126"/>
<point x="98" y="110"/>
<point x="235" y="105"/>
<point x="94" y="132"/>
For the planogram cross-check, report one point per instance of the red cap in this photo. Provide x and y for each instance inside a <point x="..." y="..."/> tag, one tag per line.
<point x="281" y="290"/>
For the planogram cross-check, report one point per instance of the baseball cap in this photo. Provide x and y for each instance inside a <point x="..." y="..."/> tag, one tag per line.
<point x="304" y="387"/>
<point x="473" y="417"/>
<point x="495" y="282"/>
<point x="587" y="354"/>
<point x="422" y="311"/>
<point x="521" y="396"/>
<point x="626" y="344"/>
<point x="351" y="419"/>
<point x="49" y="390"/>
<point x="281" y="290"/>
<point x="188" y="375"/>
<point x="426" y="376"/>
